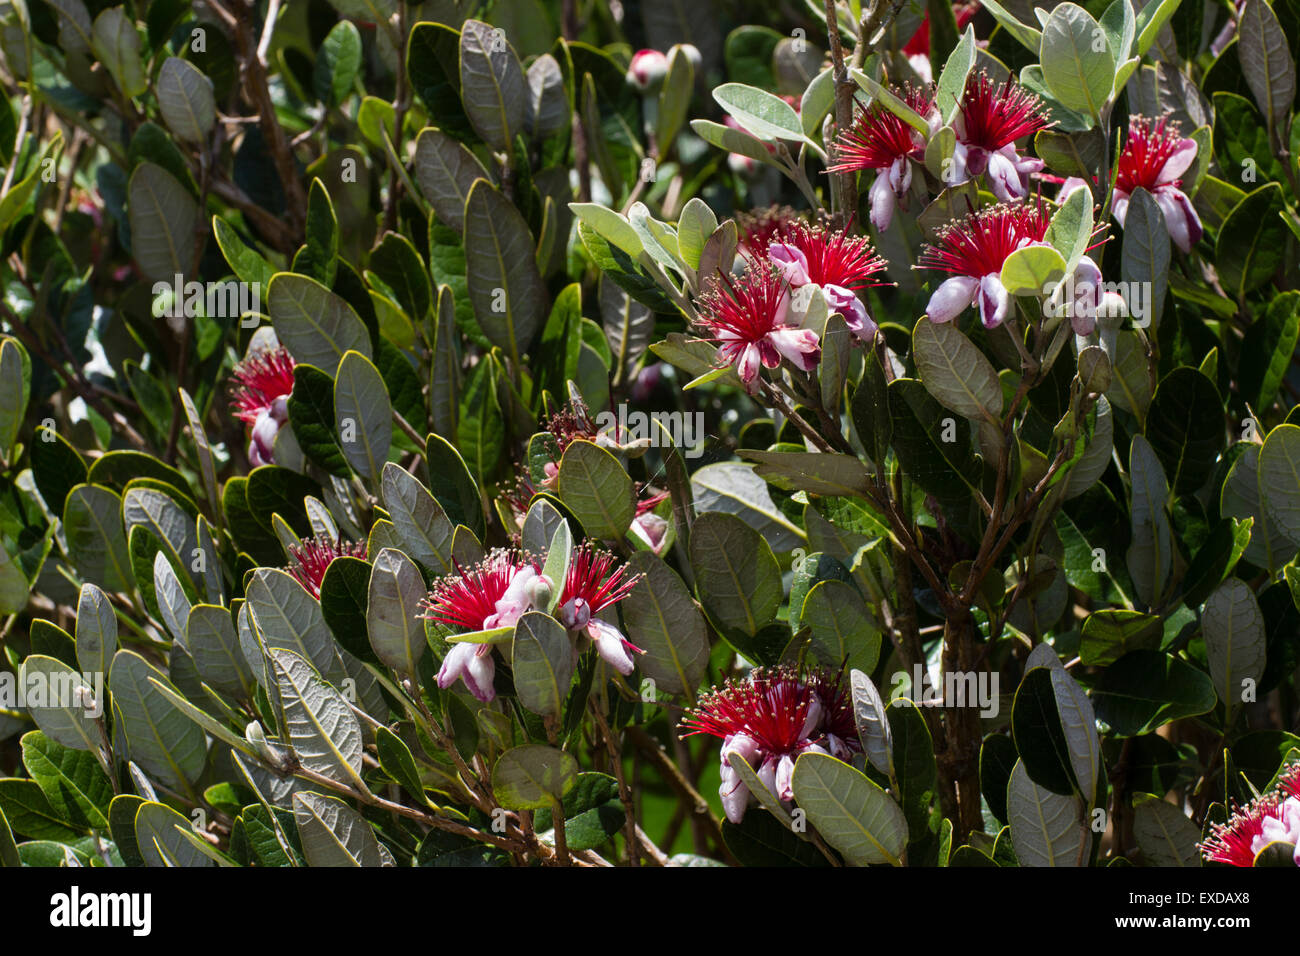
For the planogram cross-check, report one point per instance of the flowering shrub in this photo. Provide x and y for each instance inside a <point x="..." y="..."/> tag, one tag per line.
<point x="579" y="434"/>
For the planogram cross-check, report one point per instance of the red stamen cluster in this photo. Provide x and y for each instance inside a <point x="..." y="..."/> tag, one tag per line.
<point x="1231" y="842"/>
<point x="760" y="228"/>
<point x="593" y="578"/>
<point x="836" y="258"/>
<point x="772" y="707"/>
<point x="259" y="380"/>
<point x="570" y="424"/>
<point x="1146" y="150"/>
<point x="980" y="243"/>
<point x="745" y="308"/>
<point x="993" y="116"/>
<point x="878" y="137"/>
<point x="313" y="557"/>
<point x="469" y="597"/>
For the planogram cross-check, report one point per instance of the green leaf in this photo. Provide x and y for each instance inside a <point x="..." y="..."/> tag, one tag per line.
<point x="363" y="414"/>
<point x="1078" y="75"/>
<point x="395" y="595"/>
<point x="761" y="113"/>
<point x="72" y="780"/>
<point x="59" y="715"/>
<point x="1267" y="348"/>
<point x="1165" y="836"/>
<point x="318" y="258"/>
<point x="821" y="473"/>
<point x="313" y="323"/>
<point x="96" y="630"/>
<point x="1183" y="428"/>
<point x="1266" y="62"/>
<point x="320" y="725"/>
<point x="760" y="840"/>
<point x="1028" y="37"/>
<point x="1150" y="19"/>
<point x="843" y="629"/>
<point x="696" y="223"/>
<point x="158" y="737"/>
<point x="1038" y="733"/>
<point x="542" y="656"/>
<point x="532" y="776"/>
<point x="344" y="598"/>
<point x="117" y="44"/>
<point x="594" y="486"/>
<point x="492" y="85"/>
<point x="92" y="524"/>
<point x="29" y="812"/>
<point x="287" y="617"/>
<point x="1251" y="241"/>
<point x="1110" y="633"/>
<point x="952" y="80"/>
<point x="333" y="834"/>
<point x="889" y="101"/>
<point x="736" y="574"/>
<point x="593" y="813"/>
<point x="955" y="372"/>
<point x="15" y="392"/>
<point x="1033" y="270"/>
<point x="212" y="642"/>
<point x="186" y="101"/>
<point x="505" y="286"/>
<point x="337" y="63"/>
<point x="445" y="171"/>
<point x="662" y="619"/>
<point x="1150" y="556"/>
<point x="1233" y="627"/>
<point x="163" y="218"/>
<point x="1146" y="252"/>
<point x="1279" y="479"/>
<point x="423" y="525"/>
<point x="56" y="467"/>
<point x="1070" y="230"/>
<point x="1145" y="690"/>
<point x="453" y="486"/>
<point x="850" y="812"/>
<point x="1046" y="827"/>
<point x="870" y="718"/>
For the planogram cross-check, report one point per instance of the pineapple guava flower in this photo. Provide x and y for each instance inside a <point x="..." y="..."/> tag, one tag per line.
<point x="263" y="383"/>
<point x="1271" y="818"/>
<point x="494" y="593"/>
<point x="313" y="557"/>
<point x="1154" y="158"/>
<point x="761" y="227"/>
<point x="770" y="718"/>
<point x="837" y="264"/>
<point x="988" y="123"/>
<point x="973" y="249"/>
<point x="592" y="585"/>
<point x="747" y="318"/>
<point x="879" y="140"/>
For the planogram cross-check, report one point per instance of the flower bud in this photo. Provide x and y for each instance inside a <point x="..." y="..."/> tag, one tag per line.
<point x="540" y="590"/>
<point x="575" y="614"/>
<point x="647" y="70"/>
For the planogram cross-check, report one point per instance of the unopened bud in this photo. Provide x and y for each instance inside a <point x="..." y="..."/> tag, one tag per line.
<point x="647" y="70"/>
<point x="540" y="590"/>
<point x="575" y="614"/>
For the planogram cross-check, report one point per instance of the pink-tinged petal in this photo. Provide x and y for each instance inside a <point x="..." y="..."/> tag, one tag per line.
<point x="1070" y="185"/>
<point x="1179" y="161"/>
<point x="1119" y="206"/>
<point x="812" y="720"/>
<point x="959" y="169"/>
<point x="454" y="664"/>
<point x="900" y="176"/>
<point x="856" y="317"/>
<point x="767" y="773"/>
<point x="742" y="744"/>
<point x="952" y="298"/>
<point x="734" y="794"/>
<point x="255" y="456"/>
<point x="748" y="363"/>
<point x="994" y="302"/>
<point x="791" y="261"/>
<point x="784" y="776"/>
<point x="977" y="160"/>
<point x="920" y="64"/>
<point x="610" y="645"/>
<point x="800" y="346"/>
<point x="1184" y="225"/>
<point x="1004" y="178"/>
<point x="883" y="201"/>
<point x="651" y="529"/>
<point x="480" y="672"/>
<point x="1082" y="323"/>
<point x="263" y="434"/>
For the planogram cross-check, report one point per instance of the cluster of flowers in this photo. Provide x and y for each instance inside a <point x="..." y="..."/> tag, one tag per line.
<point x="1272" y="818"/>
<point x="503" y="586"/>
<point x="769" y="718"/>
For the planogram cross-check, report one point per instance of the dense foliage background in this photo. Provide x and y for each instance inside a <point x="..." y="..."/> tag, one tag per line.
<point x="409" y="411"/>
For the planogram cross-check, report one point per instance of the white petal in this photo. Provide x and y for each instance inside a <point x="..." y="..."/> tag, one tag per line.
<point x="951" y="298"/>
<point x="610" y="645"/>
<point x="1179" y="161"/>
<point x="994" y="301"/>
<point x="900" y="175"/>
<point x="784" y="775"/>
<point x="454" y="664"/>
<point x="734" y="794"/>
<point x="791" y="261"/>
<point x="1004" y="178"/>
<point x="748" y="363"/>
<point x="479" y="674"/>
<point x="1119" y="207"/>
<point x="883" y="201"/>
<point x="1184" y="225"/>
<point x="800" y="346"/>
